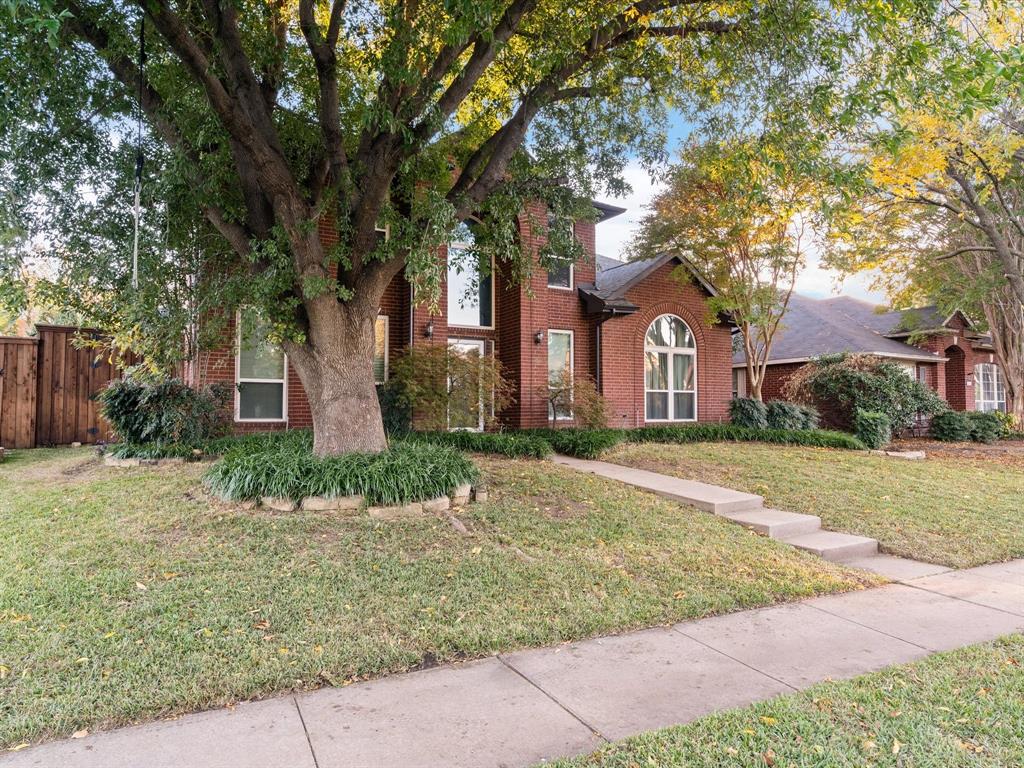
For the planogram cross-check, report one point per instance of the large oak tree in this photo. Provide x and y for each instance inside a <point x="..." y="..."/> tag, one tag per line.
<point x="263" y="119"/>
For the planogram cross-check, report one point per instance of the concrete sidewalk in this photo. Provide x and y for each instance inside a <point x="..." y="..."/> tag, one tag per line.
<point x="521" y="708"/>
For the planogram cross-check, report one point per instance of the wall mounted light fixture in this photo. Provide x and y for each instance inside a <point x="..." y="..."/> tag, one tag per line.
<point x="538" y="337"/>
<point x="428" y="332"/>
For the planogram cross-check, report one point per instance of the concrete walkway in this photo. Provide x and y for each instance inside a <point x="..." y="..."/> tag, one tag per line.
<point x="521" y="708"/>
<point x="747" y="509"/>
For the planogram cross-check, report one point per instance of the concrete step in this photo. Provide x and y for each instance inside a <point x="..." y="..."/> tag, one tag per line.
<point x="709" y="498"/>
<point x="774" y="523"/>
<point x="836" y="547"/>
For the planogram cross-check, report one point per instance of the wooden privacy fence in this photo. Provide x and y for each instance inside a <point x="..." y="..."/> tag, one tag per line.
<point x="48" y="388"/>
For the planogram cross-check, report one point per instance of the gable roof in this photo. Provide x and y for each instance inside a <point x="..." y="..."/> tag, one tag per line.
<point x="814" y="327"/>
<point x="614" y="278"/>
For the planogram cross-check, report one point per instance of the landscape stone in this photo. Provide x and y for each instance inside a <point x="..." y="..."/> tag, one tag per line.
<point x="460" y="496"/>
<point x="278" y="503"/>
<point x="434" y="506"/>
<point x="332" y="504"/>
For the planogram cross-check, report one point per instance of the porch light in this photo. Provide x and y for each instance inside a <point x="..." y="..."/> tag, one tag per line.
<point x="428" y="332"/>
<point x="538" y="337"/>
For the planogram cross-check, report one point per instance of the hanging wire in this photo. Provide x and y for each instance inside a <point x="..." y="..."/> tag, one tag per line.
<point x="139" y="159"/>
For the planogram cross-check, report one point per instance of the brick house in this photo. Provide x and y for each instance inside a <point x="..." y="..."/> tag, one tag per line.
<point x="636" y="329"/>
<point x="943" y="352"/>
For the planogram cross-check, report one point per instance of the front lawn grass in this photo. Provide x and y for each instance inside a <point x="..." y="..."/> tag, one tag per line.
<point x="954" y="710"/>
<point x="131" y="594"/>
<point x="956" y="512"/>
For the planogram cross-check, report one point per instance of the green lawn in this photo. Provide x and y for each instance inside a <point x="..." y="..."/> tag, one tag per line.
<point x="958" y="709"/>
<point x="954" y="511"/>
<point x="130" y="594"/>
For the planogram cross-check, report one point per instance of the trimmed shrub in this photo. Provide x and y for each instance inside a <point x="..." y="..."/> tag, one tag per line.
<point x="782" y="415"/>
<point x="407" y="471"/>
<point x="747" y="412"/>
<point x="843" y="384"/>
<point x="163" y="411"/>
<point x="394" y="410"/>
<point x="1007" y="424"/>
<point x="809" y="417"/>
<point x="984" y="427"/>
<point x="515" y="445"/>
<point x="581" y="443"/>
<point x="706" y="433"/>
<point x="951" y="427"/>
<point x="872" y="428"/>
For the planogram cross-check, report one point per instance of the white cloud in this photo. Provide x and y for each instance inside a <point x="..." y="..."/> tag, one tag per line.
<point x="614" y="236"/>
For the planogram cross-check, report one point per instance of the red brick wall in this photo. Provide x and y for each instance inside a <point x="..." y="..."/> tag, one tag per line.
<point x="622" y="350"/>
<point x="520" y="311"/>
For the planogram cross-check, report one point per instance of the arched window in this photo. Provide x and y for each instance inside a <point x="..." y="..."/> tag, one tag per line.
<point x="670" y="371"/>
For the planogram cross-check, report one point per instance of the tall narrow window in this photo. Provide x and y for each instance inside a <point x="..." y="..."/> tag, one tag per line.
<point x="380" y="349"/>
<point x="560" y="374"/>
<point x="470" y="283"/>
<point x="989" y="388"/>
<point x="560" y="274"/>
<point x="260" y="372"/>
<point x="670" y="371"/>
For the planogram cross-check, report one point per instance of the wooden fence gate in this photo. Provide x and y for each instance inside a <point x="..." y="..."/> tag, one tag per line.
<point x="48" y="388"/>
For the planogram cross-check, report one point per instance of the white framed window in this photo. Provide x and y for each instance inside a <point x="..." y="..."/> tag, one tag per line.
<point x="989" y="388"/>
<point x="561" y="359"/>
<point x="561" y="276"/>
<point x="670" y="371"/>
<point x="470" y="286"/>
<point x="467" y="415"/>
<point x="380" y="349"/>
<point x="261" y="391"/>
<point x="739" y="383"/>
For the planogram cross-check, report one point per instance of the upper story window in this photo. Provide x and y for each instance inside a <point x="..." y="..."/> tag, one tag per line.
<point x="989" y="388"/>
<point x="260" y="372"/>
<point x="470" y="283"/>
<point x="560" y="275"/>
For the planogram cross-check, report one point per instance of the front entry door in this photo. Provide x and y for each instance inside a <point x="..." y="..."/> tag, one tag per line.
<point x="466" y="416"/>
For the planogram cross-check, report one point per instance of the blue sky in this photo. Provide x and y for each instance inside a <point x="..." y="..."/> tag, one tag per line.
<point x="613" y="236"/>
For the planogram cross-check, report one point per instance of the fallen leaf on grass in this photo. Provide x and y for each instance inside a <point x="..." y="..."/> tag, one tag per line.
<point x="80" y="734"/>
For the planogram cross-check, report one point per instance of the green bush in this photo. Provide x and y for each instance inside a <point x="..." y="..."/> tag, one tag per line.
<point x="951" y="427"/>
<point x="844" y="384"/>
<point x="809" y="417"/>
<point x="872" y="428"/>
<point x="163" y="411"/>
<point x="1007" y="424"/>
<point x="985" y="427"/>
<point x="515" y="445"/>
<point x="747" y="412"/>
<point x="394" y="410"/>
<point x="782" y="415"/>
<point x="707" y="433"/>
<point x="581" y="443"/>
<point x="407" y="471"/>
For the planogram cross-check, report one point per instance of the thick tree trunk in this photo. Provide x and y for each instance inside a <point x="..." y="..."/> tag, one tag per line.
<point x="336" y="370"/>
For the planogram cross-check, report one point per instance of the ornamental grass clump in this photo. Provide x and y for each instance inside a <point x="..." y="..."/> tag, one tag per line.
<point x="580" y="443"/>
<point x="287" y="468"/>
<point x="513" y="445"/>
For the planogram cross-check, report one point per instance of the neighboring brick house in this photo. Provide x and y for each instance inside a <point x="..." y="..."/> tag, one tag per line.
<point x="641" y="333"/>
<point x="945" y="353"/>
